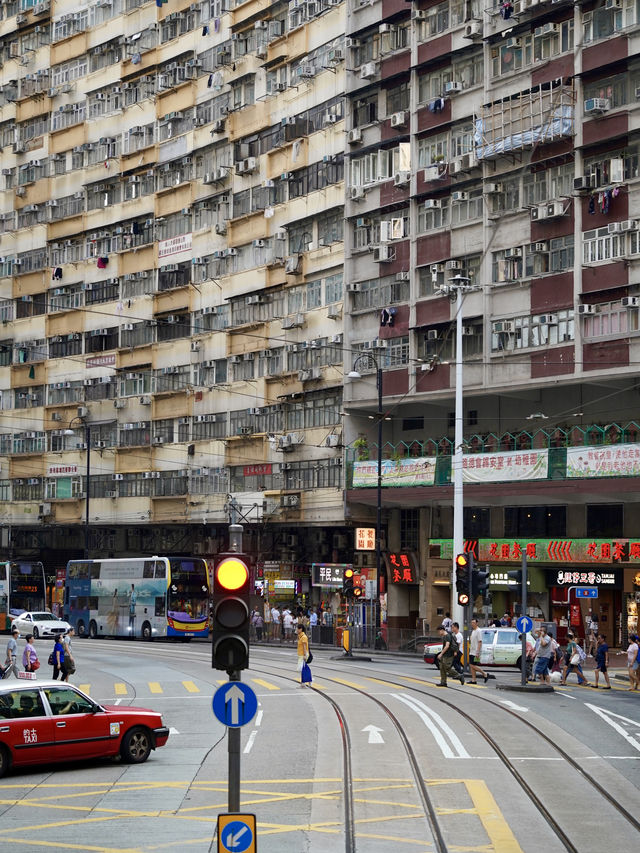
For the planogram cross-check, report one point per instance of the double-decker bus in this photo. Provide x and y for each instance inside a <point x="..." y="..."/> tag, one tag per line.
<point x="145" y="597"/>
<point x="22" y="587"/>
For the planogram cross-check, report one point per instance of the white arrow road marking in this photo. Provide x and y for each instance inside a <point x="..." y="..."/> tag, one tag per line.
<point x="250" y="741"/>
<point x="605" y="715"/>
<point x="173" y="731"/>
<point x="375" y="735"/>
<point x="513" y="705"/>
<point x="437" y="726"/>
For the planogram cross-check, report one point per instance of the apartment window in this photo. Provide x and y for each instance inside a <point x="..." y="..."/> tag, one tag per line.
<point x="603" y="22"/>
<point x="27" y="490"/>
<point x="599" y="245"/>
<point x="171" y="483"/>
<point x="60" y="393"/>
<point x="433" y="150"/>
<point x="320" y="409"/>
<point x="271" y="362"/>
<point x="63" y="346"/>
<point x="398" y="98"/>
<point x="209" y="426"/>
<point x="610" y="319"/>
<point x="437" y="21"/>
<point x="538" y="330"/>
<point x="375" y="166"/>
<point x="380" y="292"/>
<point x="333" y="288"/>
<point x="396" y="352"/>
<point x="477" y="522"/>
<point x="330" y="226"/>
<point x="173" y="326"/>
<point x="101" y="340"/>
<point x="410" y="529"/>
<point x="243" y="92"/>
<point x="243" y="369"/>
<point x="59" y="488"/>
<point x="411" y="424"/>
<point x="103" y="388"/>
<point x="535" y="522"/>
<point x="134" y="486"/>
<point x="433" y="213"/>
<point x="605" y="521"/>
<point x="439" y="341"/>
<point x="134" y="435"/>
<point x="432" y="277"/>
<point x="365" y="110"/>
<point x="173" y="378"/>
<point x="173" y="276"/>
<point x="468" y="208"/>
<point x="549" y="256"/>
<point x="507" y="196"/>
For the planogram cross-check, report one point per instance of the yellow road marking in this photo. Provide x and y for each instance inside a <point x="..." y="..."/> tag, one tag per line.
<point x="85" y="687"/>
<point x="265" y="684"/>
<point x="496" y="827"/>
<point x="154" y="687"/>
<point x="191" y="687"/>
<point x="347" y="683"/>
<point x="221" y="680"/>
<point x="120" y="688"/>
<point x="417" y="680"/>
<point x="379" y="681"/>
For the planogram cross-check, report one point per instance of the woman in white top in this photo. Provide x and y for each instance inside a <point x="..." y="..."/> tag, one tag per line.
<point x="632" y="662"/>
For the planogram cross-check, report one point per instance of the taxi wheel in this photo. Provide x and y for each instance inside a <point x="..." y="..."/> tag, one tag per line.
<point x="36" y="633"/>
<point x="4" y="760"/>
<point x="136" y="746"/>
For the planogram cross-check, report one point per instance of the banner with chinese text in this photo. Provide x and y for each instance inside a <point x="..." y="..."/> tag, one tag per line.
<point x="500" y="467"/>
<point x="618" y="460"/>
<point x="401" y="472"/>
<point x="544" y="550"/>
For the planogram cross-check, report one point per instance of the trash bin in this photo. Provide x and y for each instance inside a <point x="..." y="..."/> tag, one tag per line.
<point x="326" y="635"/>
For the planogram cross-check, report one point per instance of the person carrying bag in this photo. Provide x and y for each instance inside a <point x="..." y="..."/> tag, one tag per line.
<point x="304" y="656"/>
<point x="30" y="656"/>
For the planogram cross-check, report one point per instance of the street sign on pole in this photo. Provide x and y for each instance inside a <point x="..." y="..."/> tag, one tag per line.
<point x="237" y="833"/>
<point x="234" y="704"/>
<point x="524" y="624"/>
<point x="586" y="591"/>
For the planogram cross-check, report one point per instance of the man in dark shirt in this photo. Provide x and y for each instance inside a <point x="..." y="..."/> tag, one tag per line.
<point x="602" y="661"/>
<point x="445" y="657"/>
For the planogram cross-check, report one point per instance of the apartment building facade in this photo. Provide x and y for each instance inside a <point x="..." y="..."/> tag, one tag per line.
<point x="209" y="214"/>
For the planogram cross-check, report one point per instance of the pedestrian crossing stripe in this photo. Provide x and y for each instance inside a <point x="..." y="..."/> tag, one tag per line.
<point x="120" y="688"/>
<point x="154" y="687"/>
<point x="191" y="687"/>
<point x="347" y="683"/>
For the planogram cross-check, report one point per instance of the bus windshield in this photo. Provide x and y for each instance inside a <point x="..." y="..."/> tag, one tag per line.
<point x="188" y="590"/>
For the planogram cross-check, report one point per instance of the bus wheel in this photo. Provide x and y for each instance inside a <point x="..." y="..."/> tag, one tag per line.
<point x="146" y="631"/>
<point x="93" y="630"/>
<point x="36" y="633"/>
<point x="80" y="628"/>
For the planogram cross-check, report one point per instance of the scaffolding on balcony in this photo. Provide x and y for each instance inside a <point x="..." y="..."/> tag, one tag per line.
<point x="540" y="115"/>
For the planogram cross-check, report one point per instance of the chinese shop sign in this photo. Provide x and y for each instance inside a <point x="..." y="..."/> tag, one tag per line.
<point x="545" y="550"/>
<point x="365" y="539"/>
<point x="327" y="574"/>
<point x="401" y="567"/>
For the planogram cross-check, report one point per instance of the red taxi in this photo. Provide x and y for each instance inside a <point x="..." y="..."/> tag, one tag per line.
<point x="48" y="721"/>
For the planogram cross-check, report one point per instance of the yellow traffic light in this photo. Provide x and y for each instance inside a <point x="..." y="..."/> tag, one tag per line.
<point x="232" y="573"/>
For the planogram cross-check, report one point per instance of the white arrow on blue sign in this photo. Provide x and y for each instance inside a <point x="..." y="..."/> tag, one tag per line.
<point x="234" y="704"/>
<point x="524" y="624"/>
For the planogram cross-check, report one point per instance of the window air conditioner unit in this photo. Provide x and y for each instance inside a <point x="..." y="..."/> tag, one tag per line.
<point x="596" y="106"/>
<point x="145" y="401"/>
<point x="546" y="29"/>
<point x="453" y="87"/>
<point x="453" y="265"/>
<point x="111" y="493"/>
<point x="586" y="309"/>
<point x="401" y="179"/>
<point x="513" y="253"/>
<point x="119" y="404"/>
<point x="459" y="196"/>
<point x="542" y="246"/>
<point x="473" y="30"/>
<point x="383" y="254"/>
<point x="399" y="119"/>
<point x="630" y="302"/>
<point x="368" y="71"/>
<point x="553" y="210"/>
<point x="335" y="56"/>
<point x="549" y="319"/>
<point x="432" y="335"/>
<point x="357" y="193"/>
<point x="354" y="136"/>
<point x="44" y="510"/>
<point x="467" y="331"/>
<point x="332" y="440"/>
<point x="490" y="189"/>
<point x="333" y="312"/>
<point x="431" y="173"/>
<point x="622" y="227"/>
<point x="584" y="183"/>
<point x="379" y="343"/>
<point x="503" y="326"/>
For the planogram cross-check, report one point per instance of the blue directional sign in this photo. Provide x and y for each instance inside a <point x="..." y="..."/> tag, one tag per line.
<point x="524" y="624"/>
<point x="237" y="833"/>
<point x="586" y="592"/>
<point x="234" y="704"/>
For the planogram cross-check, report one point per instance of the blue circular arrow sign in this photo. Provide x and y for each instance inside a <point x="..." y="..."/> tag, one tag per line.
<point x="524" y="624"/>
<point x="237" y="836"/>
<point x="234" y="705"/>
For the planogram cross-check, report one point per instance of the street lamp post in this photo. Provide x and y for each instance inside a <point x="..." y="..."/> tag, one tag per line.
<point x="87" y="498"/>
<point x="353" y="374"/>
<point x="457" y="288"/>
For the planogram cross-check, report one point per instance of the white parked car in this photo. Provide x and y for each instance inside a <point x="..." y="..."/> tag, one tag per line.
<point x="41" y="624"/>
<point x="500" y="647"/>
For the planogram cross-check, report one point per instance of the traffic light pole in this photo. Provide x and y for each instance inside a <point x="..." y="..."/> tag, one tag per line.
<point x="233" y="749"/>
<point x="523" y="653"/>
<point x="468" y="614"/>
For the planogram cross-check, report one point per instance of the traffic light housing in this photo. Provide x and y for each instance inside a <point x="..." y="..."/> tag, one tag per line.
<point x="516" y="575"/>
<point x="231" y="612"/>
<point x="348" y="583"/>
<point x="462" y="575"/>
<point x="479" y="582"/>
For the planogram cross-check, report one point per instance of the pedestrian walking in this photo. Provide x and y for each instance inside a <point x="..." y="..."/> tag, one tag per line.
<point x="457" y="657"/>
<point x="275" y="623"/>
<point x="69" y="663"/>
<point x="257" y="624"/>
<point x="447" y="622"/>
<point x="57" y="657"/>
<point x="633" y="663"/>
<point x="591" y="640"/>
<point x="303" y="651"/>
<point x="30" y="660"/>
<point x="544" y="652"/>
<point x="475" y="650"/>
<point x="287" y="624"/>
<point x="445" y="657"/>
<point x="602" y="661"/>
<point x="572" y="662"/>
<point x="10" y="663"/>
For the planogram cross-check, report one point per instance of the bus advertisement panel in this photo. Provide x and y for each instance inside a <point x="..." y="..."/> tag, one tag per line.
<point x="22" y="588"/>
<point x="138" y="597"/>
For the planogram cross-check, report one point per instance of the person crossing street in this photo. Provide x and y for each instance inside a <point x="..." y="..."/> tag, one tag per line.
<point x="445" y="657"/>
<point x="475" y="650"/>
